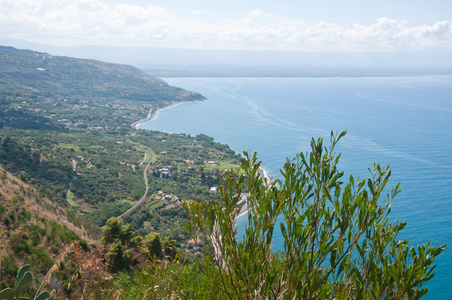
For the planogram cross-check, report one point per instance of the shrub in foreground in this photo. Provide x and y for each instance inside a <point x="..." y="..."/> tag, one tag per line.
<point x="339" y="241"/>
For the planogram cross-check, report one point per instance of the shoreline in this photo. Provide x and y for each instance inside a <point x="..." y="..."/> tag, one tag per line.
<point x="152" y="115"/>
<point x="244" y="208"/>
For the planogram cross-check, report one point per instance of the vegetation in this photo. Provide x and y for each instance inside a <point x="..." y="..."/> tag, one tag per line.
<point x="34" y="229"/>
<point x="118" y="236"/>
<point x="65" y="136"/>
<point x="338" y="239"/>
<point x="163" y="280"/>
<point x="65" y="129"/>
<point x="24" y="280"/>
<point x="154" y="245"/>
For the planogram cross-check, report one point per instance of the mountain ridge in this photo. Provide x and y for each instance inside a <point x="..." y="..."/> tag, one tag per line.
<point x="179" y="62"/>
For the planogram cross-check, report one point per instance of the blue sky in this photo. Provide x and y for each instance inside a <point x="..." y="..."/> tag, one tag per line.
<point x="322" y="25"/>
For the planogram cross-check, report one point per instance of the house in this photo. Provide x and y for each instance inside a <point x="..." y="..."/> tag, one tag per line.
<point x="163" y="153"/>
<point x="192" y="243"/>
<point x="213" y="190"/>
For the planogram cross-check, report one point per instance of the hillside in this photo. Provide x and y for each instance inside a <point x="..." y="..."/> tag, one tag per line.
<point x="43" y="92"/>
<point x="179" y="62"/>
<point x="34" y="230"/>
<point x="65" y="125"/>
<point x="61" y="76"/>
<point x="65" y="131"/>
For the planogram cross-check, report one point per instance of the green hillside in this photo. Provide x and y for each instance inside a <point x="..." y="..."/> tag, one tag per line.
<point x="35" y="230"/>
<point x="65" y="125"/>
<point x="41" y="91"/>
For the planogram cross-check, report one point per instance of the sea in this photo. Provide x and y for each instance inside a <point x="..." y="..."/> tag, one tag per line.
<point x="404" y="122"/>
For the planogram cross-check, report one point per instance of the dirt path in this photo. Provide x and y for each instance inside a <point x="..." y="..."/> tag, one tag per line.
<point x="145" y="175"/>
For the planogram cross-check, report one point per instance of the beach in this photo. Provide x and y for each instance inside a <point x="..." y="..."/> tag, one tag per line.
<point x="152" y="115"/>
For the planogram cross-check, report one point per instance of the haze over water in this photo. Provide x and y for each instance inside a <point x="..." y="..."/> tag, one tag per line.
<point x="405" y="122"/>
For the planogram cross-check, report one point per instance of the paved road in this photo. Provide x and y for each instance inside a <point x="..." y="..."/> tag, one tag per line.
<point x="145" y="175"/>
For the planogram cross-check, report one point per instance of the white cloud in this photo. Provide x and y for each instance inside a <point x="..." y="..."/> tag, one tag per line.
<point x="256" y="13"/>
<point x="99" y="22"/>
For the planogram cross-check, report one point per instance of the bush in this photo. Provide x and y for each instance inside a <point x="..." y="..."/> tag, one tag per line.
<point x="154" y="245"/>
<point x="338" y="239"/>
<point x="117" y="259"/>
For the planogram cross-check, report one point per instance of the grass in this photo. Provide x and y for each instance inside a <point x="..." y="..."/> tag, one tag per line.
<point x="70" y="199"/>
<point x="69" y="146"/>
<point x="131" y="203"/>
<point x="157" y="204"/>
<point x="222" y="166"/>
<point x="142" y="149"/>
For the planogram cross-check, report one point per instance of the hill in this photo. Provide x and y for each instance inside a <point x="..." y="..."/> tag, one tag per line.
<point x="65" y="125"/>
<point x="35" y="230"/>
<point x="65" y="131"/>
<point x="43" y="91"/>
<point x="178" y="62"/>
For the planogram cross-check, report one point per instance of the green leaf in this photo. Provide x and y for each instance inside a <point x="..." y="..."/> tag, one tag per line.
<point x="187" y="227"/>
<point x="7" y="294"/>
<point x="343" y="133"/>
<point x="42" y="296"/>
<point x="20" y="274"/>
<point x="24" y="283"/>
<point x="283" y="230"/>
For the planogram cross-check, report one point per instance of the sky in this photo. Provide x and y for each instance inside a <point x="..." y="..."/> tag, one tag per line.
<point x="293" y="25"/>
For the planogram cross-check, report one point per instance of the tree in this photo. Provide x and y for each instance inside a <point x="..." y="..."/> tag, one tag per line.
<point x="119" y="235"/>
<point x="117" y="259"/>
<point x="168" y="244"/>
<point x="338" y="239"/>
<point x="115" y="231"/>
<point x="154" y="245"/>
<point x="23" y="177"/>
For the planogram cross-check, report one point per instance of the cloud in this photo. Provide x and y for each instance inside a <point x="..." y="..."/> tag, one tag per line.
<point x="256" y="13"/>
<point x="100" y="22"/>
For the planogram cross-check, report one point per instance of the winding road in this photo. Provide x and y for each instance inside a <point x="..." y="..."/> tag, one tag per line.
<point x="145" y="175"/>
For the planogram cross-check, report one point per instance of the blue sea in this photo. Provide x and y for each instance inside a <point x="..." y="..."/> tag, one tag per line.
<point x="404" y="122"/>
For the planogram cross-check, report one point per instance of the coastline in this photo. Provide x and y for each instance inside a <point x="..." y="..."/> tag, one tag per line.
<point x="357" y="145"/>
<point x="152" y="115"/>
<point x="244" y="208"/>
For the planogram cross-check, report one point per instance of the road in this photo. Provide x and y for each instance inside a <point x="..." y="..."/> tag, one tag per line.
<point x="145" y="175"/>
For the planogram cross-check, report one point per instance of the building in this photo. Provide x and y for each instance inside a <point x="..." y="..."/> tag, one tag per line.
<point x="192" y="243"/>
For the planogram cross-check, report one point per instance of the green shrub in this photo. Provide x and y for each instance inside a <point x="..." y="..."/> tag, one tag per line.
<point x="117" y="259"/>
<point x="164" y="280"/>
<point x="154" y="245"/>
<point x="7" y="221"/>
<point x="338" y="239"/>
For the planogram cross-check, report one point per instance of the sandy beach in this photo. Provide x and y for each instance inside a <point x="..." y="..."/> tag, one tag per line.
<point x="153" y="114"/>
